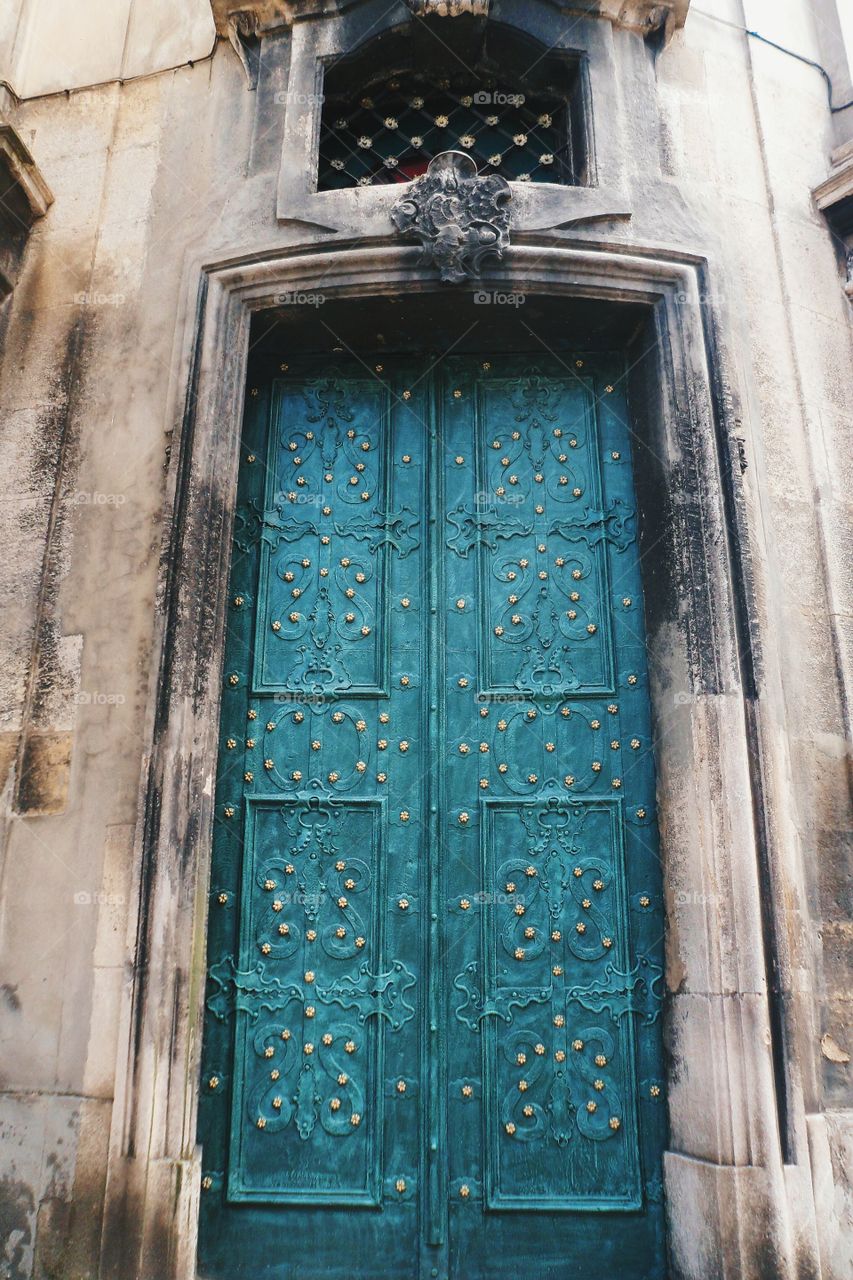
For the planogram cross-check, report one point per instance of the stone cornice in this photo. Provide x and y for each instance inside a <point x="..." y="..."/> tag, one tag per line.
<point x="254" y="17"/>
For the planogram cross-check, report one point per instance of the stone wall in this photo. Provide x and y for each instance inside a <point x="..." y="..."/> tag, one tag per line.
<point x="722" y="139"/>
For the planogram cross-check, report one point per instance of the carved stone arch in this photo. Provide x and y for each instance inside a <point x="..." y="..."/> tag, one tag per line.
<point x="725" y="1169"/>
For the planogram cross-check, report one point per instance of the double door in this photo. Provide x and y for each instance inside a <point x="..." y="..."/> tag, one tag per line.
<point x="435" y="949"/>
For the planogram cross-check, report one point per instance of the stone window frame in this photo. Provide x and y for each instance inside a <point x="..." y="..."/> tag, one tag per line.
<point x="366" y="211"/>
<point x="728" y="1191"/>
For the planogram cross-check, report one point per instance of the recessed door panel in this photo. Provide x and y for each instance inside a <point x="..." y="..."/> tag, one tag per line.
<point x="432" y="1041"/>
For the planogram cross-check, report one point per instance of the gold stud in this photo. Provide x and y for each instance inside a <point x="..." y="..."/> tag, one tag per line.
<point x="269" y="764"/>
<point x="407" y="395"/>
<point x="591" y="1106"/>
<point x="464" y="1190"/>
<point x="261" y="1122"/>
<point x="457" y="394"/>
<point x="229" y="811"/>
<point x="463" y="818"/>
<point x="327" y="1038"/>
<point x="580" y="927"/>
<point x="252" y="715"/>
<point x="350" y="1046"/>
<point x="401" y="1086"/>
<point x="654" y="1091"/>
<point x="459" y="460"/>
<point x="607" y="943"/>
<point x="556" y="935"/>
<point x="334" y="1104"/>
<point x="285" y="1035"/>
<point x="641" y="813"/>
<point x="403" y="904"/>
<point x="404" y="681"/>
<point x="400" y="1184"/>
<point x="560" y="1055"/>
<point x="460" y="604"/>
<point x="519" y="953"/>
<point x="359" y="942"/>
<point x="569" y="780"/>
<point x="233" y="679"/>
<point x="206" y="1182"/>
<point x="310" y="1011"/>
<point x="645" y="901"/>
<point x="467" y="1091"/>
<point x="510" y="1128"/>
<point x="407" y="457"/>
<point x="465" y="904"/>
<point x="614" y="1123"/>
<point x="405" y="602"/>
<point x="308" y="1048"/>
<point x="355" y="1119"/>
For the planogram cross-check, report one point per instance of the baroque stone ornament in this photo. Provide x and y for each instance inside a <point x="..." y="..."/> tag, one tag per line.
<point x="459" y="217"/>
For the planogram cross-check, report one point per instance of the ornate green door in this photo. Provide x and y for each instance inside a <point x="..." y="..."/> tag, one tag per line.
<point x="434" y="965"/>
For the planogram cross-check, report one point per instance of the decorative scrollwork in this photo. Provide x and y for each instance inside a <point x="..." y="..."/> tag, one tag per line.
<point x="459" y="217"/>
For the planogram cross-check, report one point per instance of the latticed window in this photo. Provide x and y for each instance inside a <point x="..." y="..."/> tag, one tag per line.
<point x="527" y="126"/>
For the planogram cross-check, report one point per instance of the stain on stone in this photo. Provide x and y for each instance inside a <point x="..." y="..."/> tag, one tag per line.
<point x="45" y="774"/>
<point x="17" y="1211"/>
<point x="9" y="996"/>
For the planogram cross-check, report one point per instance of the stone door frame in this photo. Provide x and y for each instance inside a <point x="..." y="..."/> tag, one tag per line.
<point x="735" y="1208"/>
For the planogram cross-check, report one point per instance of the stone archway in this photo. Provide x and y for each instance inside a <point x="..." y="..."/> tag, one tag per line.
<point x="725" y="1178"/>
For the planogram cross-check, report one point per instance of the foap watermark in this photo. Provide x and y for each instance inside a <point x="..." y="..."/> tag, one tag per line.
<point x="87" y="898"/>
<point x="95" y="698"/>
<point x="84" y="498"/>
<point x="286" y="97"/>
<point x="317" y="699"/>
<point x="93" y="298"/>
<point x="497" y="98"/>
<point x="497" y="298"/>
<point x="296" y="498"/>
<point x="294" y="298"/>
<point x="485" y="501"/>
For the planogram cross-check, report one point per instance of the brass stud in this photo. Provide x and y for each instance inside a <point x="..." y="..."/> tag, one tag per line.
<point x="400" y="1184"/>
<point x="350" y="1046"/>
<point x="382" y="777"/>
<point x="457" y="394"/>
<point x="510" y="1128"/>
<point x="580" y="927"/>
<point x="269" y="1051"/>
<point x="206" y="1182"/>
<point x="404" y="681"/>
<point x="556" y="935"/>
<point x="233" y="679"/>
<point x="355" y="1119"/>
<point x="569" y="780"/>
<point x="403" y="904"/>
<point x="607" y="943"/>
<point x="308" y="1048"/>
<point x="285" y="1035"/>
<point x="463" y="818"/>
<point x="528" y="1110"/>
<point x="310" y="1011"/>
<point x="359" y="942"/>
<point x="405" y="602"/>
<point x="654" y="1091"/>
<point x="644" y="901"/>
<point x="213" y="1082"/>
<point x="614" y="1123"/>
<point x="248" y="776"/>
<point x="229" y="811"/>
<point x="261" y="1122"/>
<point x="459" y="460"/>
<point x="269" y="764"/>
<point x="222" y="898"/>
<point x="327" y="1038"/>
<point x="401" y="1086"/>
<point x="250" y="742"/>
<point x="467" y="1091"/>
<point x="460" y="604"/>
<point x="519" y="953"/>
<point x="464" y="1190"/>
<point x="591" y="1106"/>
<point x="641" y="813"/>
<point x="600" y="1060"/>
<point x="334" y="1104"/>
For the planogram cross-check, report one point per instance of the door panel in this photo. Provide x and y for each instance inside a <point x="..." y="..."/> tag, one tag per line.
<point x="432" y="1034"/>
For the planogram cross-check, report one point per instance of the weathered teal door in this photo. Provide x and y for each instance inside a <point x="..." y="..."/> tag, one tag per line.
<point x="434" y="964"/>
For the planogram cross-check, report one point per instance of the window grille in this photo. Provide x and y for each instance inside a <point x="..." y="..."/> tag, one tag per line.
<point x="391" y="133"/>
